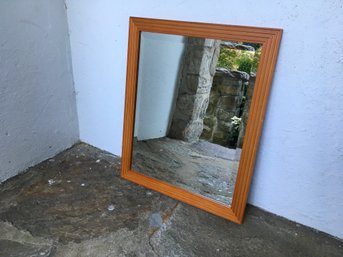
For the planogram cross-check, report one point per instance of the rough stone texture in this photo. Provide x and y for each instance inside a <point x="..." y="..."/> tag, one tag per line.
<point x="66" y="201"/>
<point x="204" y="168"/>
<point x="230" y="96"/>
<point x="261" y="235"/>
<point x="62" y="218"/>
<point x="198" y="69"/>
<point x="23" y="243"/>
<point x="22" y="249"/>
<point x="245" y="114"/>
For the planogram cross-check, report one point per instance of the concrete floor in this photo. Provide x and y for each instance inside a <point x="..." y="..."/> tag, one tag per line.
<point x="201" y="167"/>
<point x="76" y="205"/>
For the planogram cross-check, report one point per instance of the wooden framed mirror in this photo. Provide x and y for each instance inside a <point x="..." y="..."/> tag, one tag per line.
<point x="193" y="116"/>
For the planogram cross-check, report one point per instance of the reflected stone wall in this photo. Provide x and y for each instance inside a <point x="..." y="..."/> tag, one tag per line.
<point x="198" y="69"/>
<point x="230" y="96"/>
<point x="248" y="97"/>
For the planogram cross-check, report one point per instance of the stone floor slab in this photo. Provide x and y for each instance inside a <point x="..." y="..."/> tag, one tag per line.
<point x="76" y="204"/>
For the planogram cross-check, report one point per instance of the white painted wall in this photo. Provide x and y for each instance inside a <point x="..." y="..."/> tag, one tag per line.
<point x="37" y="103"/>
<point x="159" y="67"/>
<point x="299" y="170"/>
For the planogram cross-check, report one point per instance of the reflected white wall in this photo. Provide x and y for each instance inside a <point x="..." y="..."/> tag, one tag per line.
<point x="159" y="66"/>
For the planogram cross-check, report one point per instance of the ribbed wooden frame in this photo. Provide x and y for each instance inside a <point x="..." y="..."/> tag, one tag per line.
<point x="270" y="39"/>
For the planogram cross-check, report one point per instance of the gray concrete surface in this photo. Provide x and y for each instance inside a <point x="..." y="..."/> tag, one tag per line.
<point x="76" y="205"/>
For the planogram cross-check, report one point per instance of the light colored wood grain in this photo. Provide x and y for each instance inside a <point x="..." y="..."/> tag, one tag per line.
<point x="270" y="39"/>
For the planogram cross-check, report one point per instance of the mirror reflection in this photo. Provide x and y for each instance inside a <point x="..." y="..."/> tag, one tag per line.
<point x="192" y="105"/>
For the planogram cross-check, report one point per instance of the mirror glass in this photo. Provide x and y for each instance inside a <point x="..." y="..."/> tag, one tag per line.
<point x="192" y="107"/>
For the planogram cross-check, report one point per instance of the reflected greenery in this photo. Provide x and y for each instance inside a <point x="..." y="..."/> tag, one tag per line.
<point x="241" y="60"/>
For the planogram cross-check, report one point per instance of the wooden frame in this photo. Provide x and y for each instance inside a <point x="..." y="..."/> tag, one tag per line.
<point x="270" y="39"/>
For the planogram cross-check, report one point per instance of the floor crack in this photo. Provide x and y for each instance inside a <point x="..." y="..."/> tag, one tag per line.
<point x="152" y="246"/>
<point x="167" y="217"/>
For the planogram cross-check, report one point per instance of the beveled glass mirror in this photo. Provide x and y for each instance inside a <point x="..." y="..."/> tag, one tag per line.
<point x="196" y="95"/>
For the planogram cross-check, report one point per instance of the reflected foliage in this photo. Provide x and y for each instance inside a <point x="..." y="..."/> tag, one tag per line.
<point x="241" y="60"/>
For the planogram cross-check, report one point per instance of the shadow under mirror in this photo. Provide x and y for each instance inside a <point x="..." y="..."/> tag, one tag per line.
<point x="192" y="105"/>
